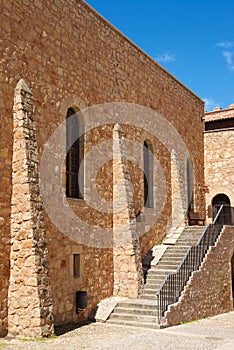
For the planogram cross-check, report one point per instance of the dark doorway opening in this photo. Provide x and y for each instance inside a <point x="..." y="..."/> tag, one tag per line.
<point x="225" y="215"/>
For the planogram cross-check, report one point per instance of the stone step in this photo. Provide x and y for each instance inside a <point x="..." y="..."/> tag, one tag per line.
<point x="138" y="304"/>
<point x="149" y="296"/>
<point x="188" y="236"/>
<point x="176" y="251"/>
<point x="133" y="317"/>
<point x="155" y="288"/>
<point x="152" y="285"/>
<point x="187" y="233"/>
<point x="150" y="289"/>
<point x="170" y="268"/>
<point x="186" y="244"/>
<point x="171" y="258"/>
<point x="168" y="263"/>
<point x="192" y="231"/>
<point x="134" y="324"/>
<point x="138" y="311"/>
<point x="194" y="228"/>
<point x="175" y="259"/>
<point x="157" y="275"/>
<point x="155" y="278"/>
<point x="186" y="241"/>
<point x="159" y="272"/>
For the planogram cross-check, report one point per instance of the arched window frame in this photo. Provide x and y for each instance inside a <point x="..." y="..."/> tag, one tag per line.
<point x="74" y="154"/>
<point x="148" y="174"/>
<point x="190" y="185"/>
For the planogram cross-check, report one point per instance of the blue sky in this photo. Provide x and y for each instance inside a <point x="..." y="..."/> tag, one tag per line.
<point x="193" y="40"/>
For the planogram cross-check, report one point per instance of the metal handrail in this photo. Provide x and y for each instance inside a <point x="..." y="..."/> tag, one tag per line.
<point x="217" y="215"/>
<point x="174" y="283"/>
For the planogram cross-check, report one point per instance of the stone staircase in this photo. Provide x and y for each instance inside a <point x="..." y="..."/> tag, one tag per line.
<point x="142" y="312"/>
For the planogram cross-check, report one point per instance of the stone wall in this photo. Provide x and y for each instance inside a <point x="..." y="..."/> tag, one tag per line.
<point x="219" y="164"/>
<point x="71" y="57"/>
<point x="209" y="290"/>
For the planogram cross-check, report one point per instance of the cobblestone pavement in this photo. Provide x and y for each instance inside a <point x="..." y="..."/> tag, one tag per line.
<point x="209" y="334"/>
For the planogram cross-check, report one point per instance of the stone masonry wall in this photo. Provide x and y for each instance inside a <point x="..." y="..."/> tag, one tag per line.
<point x="209" y="290"/>
<point x="219" y="164"/>
<point x="70" y="56"/>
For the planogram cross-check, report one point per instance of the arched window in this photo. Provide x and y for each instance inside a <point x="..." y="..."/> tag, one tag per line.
<point x="148" y="175"/>
<point x="75" y="154"/>
<point x="190" y="186"/>
<point x="225" y="215"/>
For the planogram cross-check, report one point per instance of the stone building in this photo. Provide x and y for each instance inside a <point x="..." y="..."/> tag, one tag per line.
<point x="60" y="58"/>
<point x="219" y="161"/>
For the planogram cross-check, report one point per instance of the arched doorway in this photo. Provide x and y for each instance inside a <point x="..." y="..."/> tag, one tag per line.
<point x="225" y="216"/>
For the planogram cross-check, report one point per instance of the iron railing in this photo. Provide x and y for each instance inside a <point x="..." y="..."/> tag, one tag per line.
<point x="174" y="283"/>
<point x="224" y="214"/>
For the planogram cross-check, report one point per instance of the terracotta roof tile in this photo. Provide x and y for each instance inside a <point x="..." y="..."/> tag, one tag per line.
<point x="219" y="114"/>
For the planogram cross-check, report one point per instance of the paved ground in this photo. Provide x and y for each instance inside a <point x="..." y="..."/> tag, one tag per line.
<point x="209" y="334"/>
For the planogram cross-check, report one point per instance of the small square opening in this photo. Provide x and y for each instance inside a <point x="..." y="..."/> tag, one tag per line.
<point x="76" y="265"/>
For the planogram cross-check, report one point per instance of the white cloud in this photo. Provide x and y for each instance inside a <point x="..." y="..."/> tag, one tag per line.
<point x="165" y="57"/>
<point x="210" y="103"/>
<point x="227" y="53"/>
<point x="229" y="58"/>
<point x="225" y="44"/>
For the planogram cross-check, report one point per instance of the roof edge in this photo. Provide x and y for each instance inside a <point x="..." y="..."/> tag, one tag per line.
<point x="219" y="111"/>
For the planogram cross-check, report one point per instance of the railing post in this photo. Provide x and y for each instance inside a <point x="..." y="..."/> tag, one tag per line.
<point x="158" y="300"/>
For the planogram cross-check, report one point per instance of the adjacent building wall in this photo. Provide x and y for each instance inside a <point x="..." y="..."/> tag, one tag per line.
<point x="219" y="156"/>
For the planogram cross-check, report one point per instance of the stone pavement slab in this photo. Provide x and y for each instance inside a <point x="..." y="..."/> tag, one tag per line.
<point x="215" y="333"/>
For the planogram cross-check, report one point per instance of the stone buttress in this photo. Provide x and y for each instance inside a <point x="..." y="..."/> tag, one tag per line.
<point x="30" y="299"/>
<point x="126" y="251"/>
